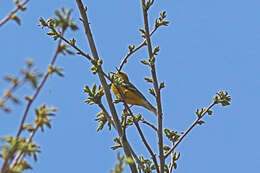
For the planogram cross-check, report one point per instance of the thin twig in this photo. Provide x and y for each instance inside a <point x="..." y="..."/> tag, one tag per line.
<point x="21" y="154"/>
<point x="11" y="90"/>
<point x="189" y="129"/>
<point x="18" y="7"/>
<point x="78" y="49"/>
<point x="136" y="158"/>
<point x="139" y="129"/>
<point x="134" y="50"/>
<point x="81" y="52"/>
<point x="171" y="164"/>
<point x="149" y="124"/>
<point x="88" y="33"/>
<point x="156" y="88"/>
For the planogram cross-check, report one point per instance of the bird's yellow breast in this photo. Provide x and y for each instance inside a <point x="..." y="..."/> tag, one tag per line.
<point x="130" y="97"/>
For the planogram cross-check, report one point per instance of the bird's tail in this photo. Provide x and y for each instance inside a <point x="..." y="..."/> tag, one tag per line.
<point x="150" y="107"/>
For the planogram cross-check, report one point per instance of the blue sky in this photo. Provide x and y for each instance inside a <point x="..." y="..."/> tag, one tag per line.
<point x="208" y="46"/>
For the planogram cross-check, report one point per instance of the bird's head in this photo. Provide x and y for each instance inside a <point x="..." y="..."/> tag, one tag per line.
<point x="121" y="75"/>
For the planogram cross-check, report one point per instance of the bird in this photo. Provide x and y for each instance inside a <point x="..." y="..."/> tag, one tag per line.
<point x="131" y="95"/>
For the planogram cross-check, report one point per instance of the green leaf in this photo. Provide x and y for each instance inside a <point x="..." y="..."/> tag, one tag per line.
<point x="51" y="33"/>
<point x="73" y="27"/>
<point x="99" y="62"/>
<point x="94" y="87"/>
<point x="33" y="80"/>
<point x="175" y="165"/>
<point x="148" y="4"/>
<point x="93" y="69"/>
<point x="86" y="89"/>
<point x="210" y="112"/>
<point x="138" y="117"/>
<point x="131" y="47"/>
<point x="177" y="156"/>
<point x="117" y="145"/>
<point x="162" y="15"/>
<point x="199" y="113"/>
<point x="200" y="122"/>
<point x="145" y="62"/>
<point x="42" y="22"/>
<point x="16" y="19"/>
<point x="28" y="127"/>
<point x="152" y="60"/>
<point x="166" y="147"/>
<point x="162" y="85"/>
<point x="73" y="41"/>
<point x="156" y="50"/>
<point x="223" y="98"/>
<point x="151" y="91"/>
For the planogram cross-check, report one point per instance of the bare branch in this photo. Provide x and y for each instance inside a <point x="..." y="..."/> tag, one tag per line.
<point x="149" y="124"/>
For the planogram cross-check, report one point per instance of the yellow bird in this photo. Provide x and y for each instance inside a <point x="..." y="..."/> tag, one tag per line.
<point x="132" y="95"/>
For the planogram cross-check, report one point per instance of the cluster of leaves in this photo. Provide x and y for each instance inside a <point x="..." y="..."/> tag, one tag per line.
<point x="117" y="145"/>
<point x="28" y="75"/>
<point x="160" y="21"/>
<point x="58" y="25"/>
<point x="95" y="97"/>
<point x="42" y="117"/>
<point x="18" y="145"/>
<point x="223" y="98"/>
<point x="19" y="6"/>
<point x="131" y="120"/>
<point x="175" y="157"/>
<point x="147" y="165"/>
<point x="101" y="118"/>
<point x="172" y="136"/>
<point x="18" y="148"/>
<point x="151" y="60"/>
<point x="15" y="150"/>
<point x="148" y="4"/>
<point x="96" y="66"/>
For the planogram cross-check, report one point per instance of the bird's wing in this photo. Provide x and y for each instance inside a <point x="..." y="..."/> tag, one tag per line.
<point x="131" y="87"/>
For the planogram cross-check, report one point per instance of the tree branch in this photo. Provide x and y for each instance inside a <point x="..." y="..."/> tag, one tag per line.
<point x="149" y="124"/>
<point x="157" y="90"/>
<point x="88" y="33"/>
<point x="8" y="95"/>
<point x="46" y="75"/>
<point x="21" y="154"/>
<point x="190" y="128"/>
<point x="31" y="100"/>
<point x="140" y="131"/>
<point x="134" y="50"/>
<point x="9" y="16"/>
